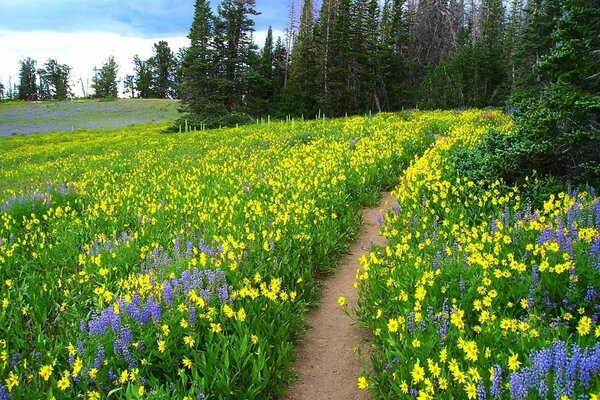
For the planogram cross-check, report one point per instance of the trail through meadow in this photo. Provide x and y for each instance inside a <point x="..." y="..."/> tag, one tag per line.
<point x="326" y="362"/>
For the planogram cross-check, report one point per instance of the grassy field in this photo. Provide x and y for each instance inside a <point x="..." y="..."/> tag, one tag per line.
<point x="36" y="117"/>
<point x="138" y="264"/>
<point x="170" y="265"/>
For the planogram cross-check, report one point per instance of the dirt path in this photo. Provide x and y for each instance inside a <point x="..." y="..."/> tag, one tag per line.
<point x="326" y="363"/>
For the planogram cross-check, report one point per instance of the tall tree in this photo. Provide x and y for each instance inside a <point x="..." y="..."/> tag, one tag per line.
<point x="280" y="70"/>
<point x="143" y="77"/>
<point x="541" y="17"/>
<point x="104" y="81"/>
<point x="562" y="123"/>
<point x="55" y="81"/>
<point x="235" y="51"/>
<point x="163" y="65"/>
<point x="28" y="88"/>
<point x="301" y="88"/>
<point x="2" y="91"/>
<point x="264" y="82"/>
<point x="129" y="86"/>
<point x="343" y="71"/>
<point x="323" y="43"/>
<point x="396" y="20"/>
<point x="492" y="42"/>
<point x="198" y="89"/>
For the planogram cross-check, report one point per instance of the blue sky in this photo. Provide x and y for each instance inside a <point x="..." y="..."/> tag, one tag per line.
<point x="83" y="33"/>
<point x="144" y="18"/>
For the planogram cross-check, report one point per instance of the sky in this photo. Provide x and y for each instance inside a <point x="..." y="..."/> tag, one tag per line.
<point x="84" y="33"/>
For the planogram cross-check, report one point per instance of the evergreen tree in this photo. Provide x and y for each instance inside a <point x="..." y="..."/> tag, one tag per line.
<point x="143" y="77"/>
<point x="561" y="126"/>
<point x="280" y="70"/>
<point x="235" y="54"/>
<point x="198" y="89"/>
<point x="493" y="73"/>
<point x="322" y="35"/>
<point x="343" y="71"/>
<point x="264" y="90"/>
<point x="393" y="44"/>
<point x="541" y="17"/>
<point x="104" y="81"/>
<point x="129" y="86"/>
<point x="2" y="91"/>
<point x="28" y="88"/>
<point x="55" y="81"/>
<point x="163" y="67"/>
<point x="302" y="87"/>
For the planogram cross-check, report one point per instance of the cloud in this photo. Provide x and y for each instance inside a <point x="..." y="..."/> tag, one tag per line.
<point x="134" y="17"/>
<point x="146" y="18"/>
<point x="83" y="51"/>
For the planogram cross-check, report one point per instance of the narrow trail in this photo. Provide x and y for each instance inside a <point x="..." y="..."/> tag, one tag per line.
<point x="326" y="363"/>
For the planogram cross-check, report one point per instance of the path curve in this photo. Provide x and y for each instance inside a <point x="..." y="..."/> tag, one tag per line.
<point x="326" y="363"/>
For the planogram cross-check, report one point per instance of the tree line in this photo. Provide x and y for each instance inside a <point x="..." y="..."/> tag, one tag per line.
<point x="352" y="56"/>
<point x="155" y="77"/>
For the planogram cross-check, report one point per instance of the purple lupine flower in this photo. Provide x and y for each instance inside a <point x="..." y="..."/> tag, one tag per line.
<point x="481" y="392"/>
<point x="80" y="347"/>
<point x="111" y="375"/>
<point x="154" y="309"/>
<point x="192" y="315"/>
<point x="99" y="358"/>
<point x="167" y="293"/>
<point x="210" y="276"/>
<point x="411" y="322"/>
<point x="189" y="250"/>
<point x="4" y="394"/>
<point x="595" y="249"/>
<point x="224" y="293"/>
<point x="14" y="360"/>
<point x="177" y="248"/>
<point x="495" y="390"/>
<point x="83" y="326"/>
<point x="461" y="284"/>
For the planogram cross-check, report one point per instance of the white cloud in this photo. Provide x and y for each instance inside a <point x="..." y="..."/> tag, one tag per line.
<point x="82" y="51"/>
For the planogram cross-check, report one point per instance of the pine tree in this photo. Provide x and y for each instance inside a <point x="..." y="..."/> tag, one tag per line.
<point x="343" y="73"/>
<point x="54" y="81"/>
<point x="143" y="77"/>
<point x="264" y="90"/>
<point x="322" y="36"/>
<point x="28" y="88"/>
<point x="200" y="100"/>
<point x="394" y="42"/>
<point x="235" y="52"/>
<point x="2" y="91"/>
<point x="541" y="17"/>
<point x="163" y="67"/>
<point x="302" y="87"/>
<point x="561" y="126"/>
<point x="493" y="73"/>
<point x="104" y="81"/>
<point x="280" y="70"/>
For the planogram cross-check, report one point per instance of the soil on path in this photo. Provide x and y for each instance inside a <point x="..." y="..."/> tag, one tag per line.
<point x="326" y="363"/>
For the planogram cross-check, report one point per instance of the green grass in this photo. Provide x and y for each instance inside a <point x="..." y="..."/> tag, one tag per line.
<point x="56" y="116"/>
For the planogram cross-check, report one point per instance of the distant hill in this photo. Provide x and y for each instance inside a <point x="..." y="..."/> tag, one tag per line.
<point x="34" y="117"/>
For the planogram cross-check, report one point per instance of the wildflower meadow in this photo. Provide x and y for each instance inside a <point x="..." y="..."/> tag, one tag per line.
<point x="479" y="294"/>
<point x="137" y="264"/>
